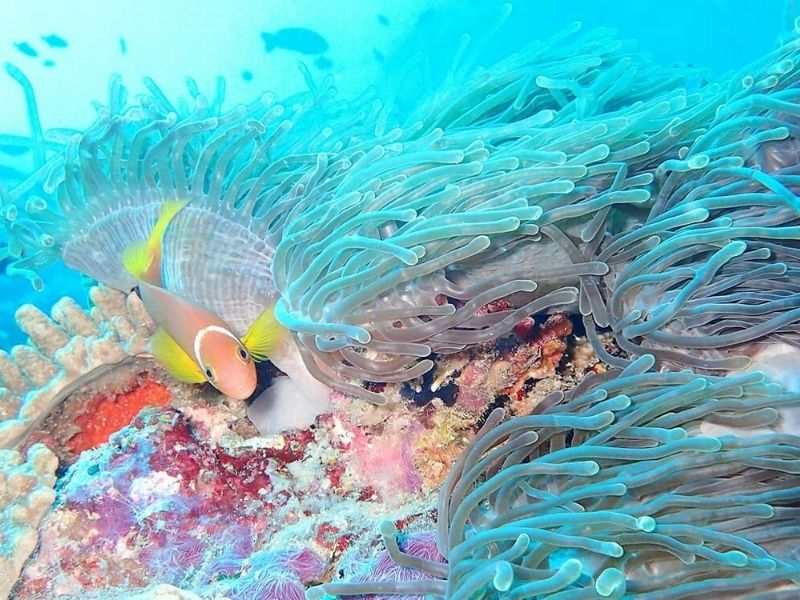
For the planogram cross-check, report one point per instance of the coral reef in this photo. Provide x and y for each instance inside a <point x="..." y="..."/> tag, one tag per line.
<point x="189" y="496"/>
<point x="452" y="265"/>
<point x="64" y="351"/>
<point x="155" y="502"/>
<point x="615" y="490"/>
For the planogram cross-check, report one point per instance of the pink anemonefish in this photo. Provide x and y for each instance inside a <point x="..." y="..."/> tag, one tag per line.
<point x="192" y="342"/>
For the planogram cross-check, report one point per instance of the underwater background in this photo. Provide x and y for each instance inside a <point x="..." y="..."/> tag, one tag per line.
<point x="69" y="51"/>
<point x="528" y="332"/>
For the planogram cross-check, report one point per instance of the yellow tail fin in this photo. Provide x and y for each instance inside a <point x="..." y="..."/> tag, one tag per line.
<point x="264" y="335"/>
<point x="138" y="257"/>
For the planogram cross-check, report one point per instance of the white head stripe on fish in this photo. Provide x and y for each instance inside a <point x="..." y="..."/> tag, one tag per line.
<point x="198" y="338"/>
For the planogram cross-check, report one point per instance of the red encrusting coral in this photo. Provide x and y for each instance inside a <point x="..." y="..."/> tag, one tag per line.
<point x="533" y="353"/>
<point x="538" y="356"/>
<point x="331" y="538"/>
<point x="106" y="414"/>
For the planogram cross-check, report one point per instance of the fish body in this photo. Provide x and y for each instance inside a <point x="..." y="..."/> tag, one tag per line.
<point x="54" y="41"/>
<point x="295" y="38"/>
<point x="192" y="342"/>
<point x="27" y="49"/>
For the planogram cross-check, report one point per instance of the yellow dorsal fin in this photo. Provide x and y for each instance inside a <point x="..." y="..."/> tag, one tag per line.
<point x="263" y="336"/>
<point x="138" y="257"/>
<point x="172" y="357"/>
<point x="169" y="209"/>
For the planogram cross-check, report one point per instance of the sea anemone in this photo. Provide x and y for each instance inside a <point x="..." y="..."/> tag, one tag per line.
<point x="573" y="176"/>
<point x="379" y="235"/>
<point x="716" y="268"/>
<point x="27" y="220"/>
<point x="617" y="489"/>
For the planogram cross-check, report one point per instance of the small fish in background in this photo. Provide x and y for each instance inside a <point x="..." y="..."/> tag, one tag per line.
<point x="123" y="46"/>
<point x="247" y="75"/>
<point x="192" y="342"/>
<point x="54" y="41"/>
<point x="323" y="63"/>
<point x="297" y="39"/>
<point x="13" y="149"/>
<point x="383" y="20"/>
<point x="27" y="49"/>
<point x="378" y="55"/>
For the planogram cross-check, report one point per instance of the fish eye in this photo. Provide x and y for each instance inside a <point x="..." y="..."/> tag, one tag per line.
<point x="244" y="355"/>
<point x="209" y="374"/>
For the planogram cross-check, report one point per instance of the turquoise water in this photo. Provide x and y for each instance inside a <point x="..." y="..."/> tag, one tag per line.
<point x="70" y="58"/>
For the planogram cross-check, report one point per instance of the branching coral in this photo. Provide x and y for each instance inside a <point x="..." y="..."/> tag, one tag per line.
<point x="614" y="490"/>
<point x="26" y="492"/>
<point x="64" y="352"/>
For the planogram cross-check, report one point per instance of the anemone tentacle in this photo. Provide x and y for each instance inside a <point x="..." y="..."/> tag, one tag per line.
<point x="723" y="276"/>
<point x="617" y="489"/>
<point x="379" y="234"/>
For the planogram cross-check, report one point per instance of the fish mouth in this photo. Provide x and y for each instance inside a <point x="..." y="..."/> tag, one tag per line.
<point x="240" y="390"/>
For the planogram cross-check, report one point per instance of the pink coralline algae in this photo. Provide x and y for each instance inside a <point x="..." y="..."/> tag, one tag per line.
<point x="392" y="452"/>
<point x="158" y="504"/>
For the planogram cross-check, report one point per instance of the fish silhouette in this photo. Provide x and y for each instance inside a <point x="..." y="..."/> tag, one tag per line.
<point x="295" y="38"/>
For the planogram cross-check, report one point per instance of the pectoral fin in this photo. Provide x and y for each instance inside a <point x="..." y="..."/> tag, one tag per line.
<point x="264" y="335"/>
<point x="172" y="357"/>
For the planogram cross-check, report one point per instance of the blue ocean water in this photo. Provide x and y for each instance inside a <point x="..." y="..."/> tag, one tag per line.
<point x="255" y="45"/>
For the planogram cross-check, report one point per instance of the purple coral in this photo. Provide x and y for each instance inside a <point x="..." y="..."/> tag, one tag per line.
<point x="386" y="569"/>
<point x="278" y="575"/>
